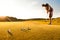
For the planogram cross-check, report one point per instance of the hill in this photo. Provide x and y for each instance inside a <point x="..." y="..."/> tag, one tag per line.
<point x="29" y="29"/>
<point x="14" y="19"/>
<point x="7" y="19"/>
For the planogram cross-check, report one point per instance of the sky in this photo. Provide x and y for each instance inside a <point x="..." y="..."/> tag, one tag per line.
<point x="26" y="9"/>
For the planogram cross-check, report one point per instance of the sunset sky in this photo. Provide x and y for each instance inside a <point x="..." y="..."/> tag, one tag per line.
<point x="28" y="8"/>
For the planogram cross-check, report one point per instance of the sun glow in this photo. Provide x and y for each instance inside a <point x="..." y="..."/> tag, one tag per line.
<point x="21" y="9"/>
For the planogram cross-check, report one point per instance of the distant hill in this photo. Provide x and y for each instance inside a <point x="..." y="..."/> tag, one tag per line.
<point x="11" y="19"/>
<point x="7" y="18"/>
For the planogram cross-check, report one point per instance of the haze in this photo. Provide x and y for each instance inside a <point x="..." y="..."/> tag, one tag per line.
<point x="25" y="9"/>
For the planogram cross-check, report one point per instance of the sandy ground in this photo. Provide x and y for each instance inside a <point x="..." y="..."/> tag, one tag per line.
<point x="29" y="30"/>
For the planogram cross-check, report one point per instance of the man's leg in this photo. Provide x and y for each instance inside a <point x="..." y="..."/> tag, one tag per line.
<point x="50" y="20"/>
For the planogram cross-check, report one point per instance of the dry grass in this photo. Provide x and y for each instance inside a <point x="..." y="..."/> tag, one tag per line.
<point x="39" y="31"/>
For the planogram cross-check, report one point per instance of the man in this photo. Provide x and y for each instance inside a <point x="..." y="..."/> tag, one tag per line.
<point x="49" y="10"/>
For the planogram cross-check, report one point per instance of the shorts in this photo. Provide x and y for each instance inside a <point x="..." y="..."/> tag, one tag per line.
<point x="50" y="15"/>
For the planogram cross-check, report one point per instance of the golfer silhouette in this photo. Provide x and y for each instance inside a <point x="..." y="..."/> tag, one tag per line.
<point x="49" y="10"/>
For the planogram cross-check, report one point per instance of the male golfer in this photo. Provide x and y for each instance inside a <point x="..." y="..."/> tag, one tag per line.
<point x="49" y="10"/>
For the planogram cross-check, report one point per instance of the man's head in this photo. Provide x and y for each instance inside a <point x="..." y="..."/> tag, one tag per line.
<point x="45" y="5"/>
